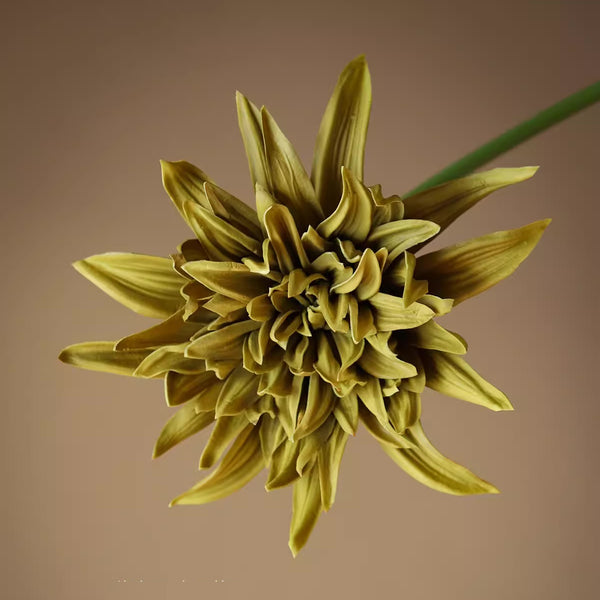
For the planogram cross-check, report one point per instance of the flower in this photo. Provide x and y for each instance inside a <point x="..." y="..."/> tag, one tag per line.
<point x="285" y="326"/>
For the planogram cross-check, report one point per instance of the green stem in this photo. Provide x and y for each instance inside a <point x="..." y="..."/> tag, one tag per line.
<point x="515" y="136"/>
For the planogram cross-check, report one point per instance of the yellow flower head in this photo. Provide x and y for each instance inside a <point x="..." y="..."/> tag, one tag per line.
<point x="285" y="326"/>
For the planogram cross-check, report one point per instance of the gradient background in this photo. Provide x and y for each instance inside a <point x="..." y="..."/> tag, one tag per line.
<point x="98" y="92"/>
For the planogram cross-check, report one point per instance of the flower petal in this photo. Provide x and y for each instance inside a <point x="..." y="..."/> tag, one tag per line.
<point x="432" y="336"/>
<point x="285" y="239"/>
<point x="307" y="507"/>
<point x="148" y="285"/>
<point x="238" y="393"/>
<point x="398" y="236"/>
<point x="379" y="361"/>
<point x="225" y="430"/>
<point x="320" y="402"/>
<point x="431" y="468"/>
<point x="183" y="424"/>
<point x="342" y="134"/>
<point x="352" y="218"/>
<point x="451" y="375"/>
<point x="102" y="356"/>
<point x="444" y="203"/>
<point x="469" y="268"/>
<point x="181" y="388"/>
<point x="242" y="462"/>
<point x="401" y="274"/>
<point x="383" y="432"/>
<point x="391" y="314"/>
<point x="169" y="358"/>
<point x="346" y="412"/>
<point x="366" y="279"/>
<point x="329" y="461"/>
<point x="404" y="409"/>
<point x="223" y="344"/>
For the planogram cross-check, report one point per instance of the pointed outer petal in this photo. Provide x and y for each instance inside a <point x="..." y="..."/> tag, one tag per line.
<point x="366" y="279"/>
<point x="299" y="281"/>
<point x="469" y="268"/>
<point x="404" y="410"/>
<point x="347" y="350"/>
<point x="444" y="203"/>
<point x="148" y="285"/>
<point x="431" y="468"/>
<point x="183" y="424"/>
<point x="223" y="344"/>
<point x="352" y="217"/>
<point x="221" y="240"/>
<point x="231" y="279"/>
<point x="101" y="356"/>
<point x="391" y="314"/>
<point x="329" y="461"/>
<point x="451" y="375"/>
<point x="277" y="382"/>
<point x="285" y="239"/>
<point x="242" y="462"/>
<point x="203" y="388"/>
<point x="238" y="393"/>
<point x="416" y="383"/>
<point x="346" y="412"/>
<point x="383" y="433"/>
<point x="250" y="124"/>
<point x="312" y="444"/>
<point x="272" y="436"/>
<point x="379" y="361"/>
<point x="289" y="182"/>
<point x="314" y="244"/>
<point x="268" y="265"/>
<point x="223" y="305"/>
<point x="265" y="405"/>
<point x="362" y="322"/>
<point x="287" y="407"/>
<point x="260" y="308"/>
<point x="372" y="398"/>
<point x="168" y="358"/>
<point x="172" y="331"/>
<point x="184" y="183"/>
<point x="233" y="210"/>
<point x="342" y="134"/>
<point x="283" y="466"/>
<point x="432" y="336"/>
<point x="401" y="274"/>
<point x="398" y="236"/>
<point x="320" y="402"/>
<point x="307" y="507"/>
<point x="284" y="326"/>
<point x="327" y="364"/>
<point x="440" y="306"/>
<point x="224" y="432"/>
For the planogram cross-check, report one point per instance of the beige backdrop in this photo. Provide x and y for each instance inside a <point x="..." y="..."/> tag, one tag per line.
<point x="98" y="92"/>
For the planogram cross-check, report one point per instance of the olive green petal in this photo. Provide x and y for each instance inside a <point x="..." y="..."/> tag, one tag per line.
<point x="306" y="507"/>
<point x="432" y="336"/>
<point x="264" y="406"/>
<point x="310" y="445"/>
<point x="184" y="182"/>
<point x="224" y="432"/>
<point x="181" y="388"/>
<point x="242" y="463"/>
<point x="238" y="393"/>
<point x="101" y="356"/>
<point x="398" y="236"/>
<point x="433" y="469"/>
<point x="232" y="279"/>
<point x="272" y="436"/>
<point x="342" y="134"/>
<point x="172" y="331"/>
<point x="372" y="397"/>
<point x="401" y="274"/>
<point x="169" y="358"/>
<point x="320" y="402"/>
<point x="352" y="218"/>
<point x="289" y="182"/>
<point x="346" y="412"/>
<point x="439" y="306"/>
<point x="469" y="268"/>
<point x="404" y="409"/>
<point x="223" y="344"/>
<point x="383" y="432"/>
<point x="283" y="466"/>
<point x="391" y="314"/>
<point x="366" y="278"/>
<point x="362" y="321"/>
<point x="444" y="203"/>
<point x="329" y="462"/>
<point x="379" y="361"/>
<point x="285" y="239"/>
<point x="250" y="123"/>
<point x="223" y="306"/>
<point x="148" y="285"/>
<point x="183" y="424"/>
<point x="453" y="376"/>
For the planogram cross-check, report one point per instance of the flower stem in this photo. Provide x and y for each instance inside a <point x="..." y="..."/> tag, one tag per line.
<point x="515" y="136"/>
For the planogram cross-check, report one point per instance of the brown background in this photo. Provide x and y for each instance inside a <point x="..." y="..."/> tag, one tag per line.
<point x="98" y="92"/>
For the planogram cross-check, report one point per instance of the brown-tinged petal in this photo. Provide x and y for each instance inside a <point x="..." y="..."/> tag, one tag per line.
<point x="148" y="285"/>
<point x="242" y="462"/>
<point x="342" y="134"/>
<point x="101" y="356"/>
<point x="469" y="268"/>
<point x="431" y="468"/>
<point x="453" y="376"/>
<point x="183" y="424"/>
